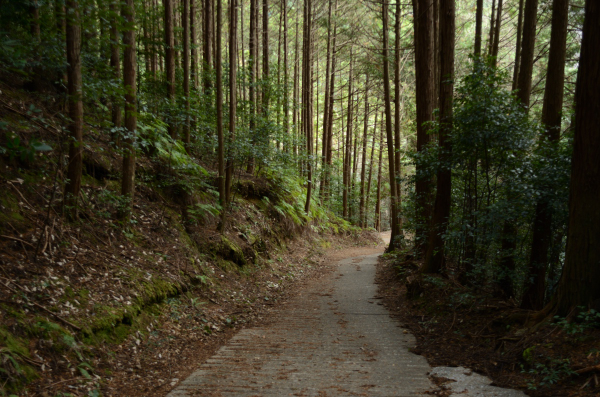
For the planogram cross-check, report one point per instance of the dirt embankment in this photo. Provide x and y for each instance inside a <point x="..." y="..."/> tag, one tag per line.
<point x="456" y="325"/>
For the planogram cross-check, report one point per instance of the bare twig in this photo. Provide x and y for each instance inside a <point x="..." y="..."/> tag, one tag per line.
<point x="17" y="239"/>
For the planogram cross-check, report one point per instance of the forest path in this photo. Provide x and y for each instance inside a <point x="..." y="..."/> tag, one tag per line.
<point x="333" y="339"/>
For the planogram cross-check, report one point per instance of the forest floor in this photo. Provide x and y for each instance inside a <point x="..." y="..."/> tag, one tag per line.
<point x="456" y="326"/>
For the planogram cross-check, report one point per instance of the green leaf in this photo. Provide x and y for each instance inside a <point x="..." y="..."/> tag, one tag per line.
<point x="41" y="146"/>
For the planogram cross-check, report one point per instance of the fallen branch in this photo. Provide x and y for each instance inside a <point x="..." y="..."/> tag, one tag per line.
<point x="17" y="239"/>
<point x="588" y="369"/>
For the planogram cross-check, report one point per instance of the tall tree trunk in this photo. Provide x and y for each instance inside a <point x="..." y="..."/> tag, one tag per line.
<point x="295" y="120"/>
<point x="397" y="157"/>
<point x="363" y="168"/>
<point x="170" y="64"/>
<point x="527" y="52"/>
<point x="424" y="97"/>
<point x="518" y="46"/>
<point x="223" y="201"/>
<point x="379" y="175"/>
<point x="35" y="19"/>
<point x="509" y="234"/>
<point x="492" y="30"/>
<point x="307" y="103"/>
<point x="286" y="85"/>
<point x="232" y="95"/>
<point x="434" y="260"/>
<point x="207" y="44"/>
<point x="368" y="193"/>
<point x="388" y="127"/>
<point x="194" y="45"/>
<point x="533" y="297"/>
<point x="496" y="44"/>
<point x="578" y="285"/>
<point x="326" y="106"/>
<point x="186" y="72"/>
<point x="74" y="90"/>
<point x="115" y="63"/>
<point x="265" y="57"/>
<point x="348" y="143"/>
<point x="129" y="82"/>
<point x="478" y="28"/>
<point x="253" y="69"/>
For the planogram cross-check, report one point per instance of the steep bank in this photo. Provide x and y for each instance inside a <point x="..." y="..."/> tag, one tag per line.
<point x="96" y="306"/>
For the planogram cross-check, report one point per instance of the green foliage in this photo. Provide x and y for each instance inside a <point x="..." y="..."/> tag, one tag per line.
<point x="16" y="149"/>
<point x="585" y="319"/>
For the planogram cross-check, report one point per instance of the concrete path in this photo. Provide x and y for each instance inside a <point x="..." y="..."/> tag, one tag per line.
<point x="332" y="340"/>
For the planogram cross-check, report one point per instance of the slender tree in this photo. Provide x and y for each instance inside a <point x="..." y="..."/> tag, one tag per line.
<point x="478" y="28"/>
<point x="74" y="90"/>
<point x="535" y="289"/>
<point x="388" y="126"/>
<point x="509" y="232"/>
<point x="307" y="87"/>
<point x="497" y="25"/>
<point x="207" y="43"/>
<point x="129" y="82"/>
<point x="220" y="135"/>
<point x="232" y="95"/>
<point x="363" y="168"/>
<point x="186" y="71"/>
<point x="170" y="62"/>
<point x="518" y="45"/>
<point x="397" y="101"/>
<point x="116" y="66"/>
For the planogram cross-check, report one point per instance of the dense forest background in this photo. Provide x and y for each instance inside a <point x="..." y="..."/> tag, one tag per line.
<point x="467" y="127"/>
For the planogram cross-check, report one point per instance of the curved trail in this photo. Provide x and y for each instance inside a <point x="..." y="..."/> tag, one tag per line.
<point x="333" y="339"/>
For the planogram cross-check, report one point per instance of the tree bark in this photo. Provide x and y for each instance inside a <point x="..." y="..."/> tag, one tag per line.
<point x="388" y="126"/>
<point x="492" y="30"/>
<point x="527" y="52"/>
<point x="194" y="45"/>
<point x="370" y="178"/>
<point x="326" y="107"/>
<point x="510" y="231"/>
<point x="207" y="44"/>
<point x="434" y="260"/>
<point x="498" y="24"/>
<point x="129" y="83"/>
<point x="518" y="46"/>
<point x="397" y="101"/>
<point x="265" y="57"/>
<point x="223" y="201"/>
<point x="115" y="63"/>
<point x="379" y="175"/>
<point x="478" y="28"/>
<point x="232" y="95"/>
<point x="170" y="64"/>
<point x="186" y="72"/>
<point x="424" y="99"/>
<point x="74" y="90"/>
<point x="363" y="168"/>
<point x="533" y="297"/>
<point x="253" y="69"/>
<point x="348" y="143"/>
<point x="578" y="285"/>
<point x="307" y="102"/>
